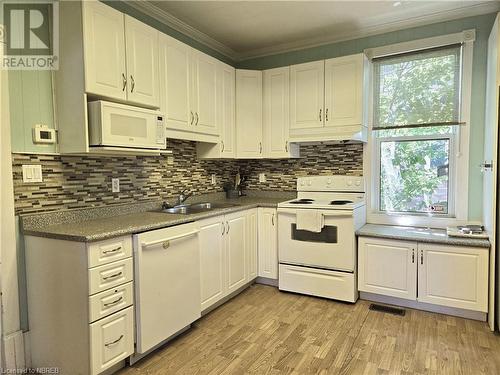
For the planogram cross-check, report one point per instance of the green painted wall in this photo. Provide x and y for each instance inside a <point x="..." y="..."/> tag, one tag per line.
<point x="482" y="24"/>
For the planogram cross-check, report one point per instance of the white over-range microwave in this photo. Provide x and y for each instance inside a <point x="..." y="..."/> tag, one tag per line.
<point x="120" y="125"/>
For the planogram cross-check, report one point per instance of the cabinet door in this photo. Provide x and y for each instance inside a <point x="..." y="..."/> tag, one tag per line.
<point x="235" y="250"/>
<point x="204" y="97"/>
<point x="268" y="243"/>
<point x="104" y="49"/>
<point x="249" y="113"/>
<point x="212" y="260"/>
<point x="227" y="111"/>
<point x="252" y="244"/>
<point x="344" y="91"/>
<point x="307" y="94"/>
<point x="453" y="276"/>
<point x="142" y="62"/>
<point x="387" y="267"/>
<point x="175" y="83"/>
<point x="276" y="112"/>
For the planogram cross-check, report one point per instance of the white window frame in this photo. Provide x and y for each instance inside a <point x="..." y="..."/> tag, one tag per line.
<point x="458" y="194"/>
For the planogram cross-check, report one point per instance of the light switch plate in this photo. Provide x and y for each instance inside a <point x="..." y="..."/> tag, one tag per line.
<point x="32" y="173"/>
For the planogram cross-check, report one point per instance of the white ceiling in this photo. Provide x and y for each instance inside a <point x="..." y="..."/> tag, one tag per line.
<point x="243" y="29"/>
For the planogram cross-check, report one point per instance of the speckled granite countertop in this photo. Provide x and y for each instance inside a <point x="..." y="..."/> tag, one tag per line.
<point x="419" y="234"/>
<point x="95" y="229"/>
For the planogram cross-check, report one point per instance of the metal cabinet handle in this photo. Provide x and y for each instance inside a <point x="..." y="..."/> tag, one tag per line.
<point x="124" y="80"/>
<point x="260" y="147"/>
<point x="132" y="83"/>
<point x="326" y="115"/>
<point x="196" y="123"/>
<point x="222" y="143"/>
<point x="223" y="228"/>
<point x="114" y="302"/>
<point x="112" y="250"/>
<point x="413" y="255"/>
<point x="114" y="342"/>
<point x="286" y="146"/>
<point x="228" y="227"/>
<point x="192" y="118"/>
<point x="272" y="220"/>
<point x="421" y="257"/>
<point x="320" y="118"/>
<point x="113" y="276"/>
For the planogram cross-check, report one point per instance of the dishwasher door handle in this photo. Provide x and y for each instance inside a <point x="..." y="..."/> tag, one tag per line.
<point x="156" y="242"/>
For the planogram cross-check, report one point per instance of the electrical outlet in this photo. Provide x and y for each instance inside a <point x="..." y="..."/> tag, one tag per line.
<point x="262" y="177"/>
<point x="214" y="181"/>
<point x="115" y="185"/>
<point x="32" y="173"/>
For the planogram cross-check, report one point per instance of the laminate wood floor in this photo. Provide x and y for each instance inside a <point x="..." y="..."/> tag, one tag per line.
<point x="264" y="331"/>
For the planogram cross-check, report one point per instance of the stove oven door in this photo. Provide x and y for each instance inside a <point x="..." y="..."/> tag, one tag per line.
<point x="332" y="248"/>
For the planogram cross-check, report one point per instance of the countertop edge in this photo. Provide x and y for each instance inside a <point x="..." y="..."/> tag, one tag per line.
<point x="140" y="229"/>
<point x="453" y="241"/>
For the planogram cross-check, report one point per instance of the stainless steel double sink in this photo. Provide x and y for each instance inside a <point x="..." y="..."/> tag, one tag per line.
<point x="186" y="209"/>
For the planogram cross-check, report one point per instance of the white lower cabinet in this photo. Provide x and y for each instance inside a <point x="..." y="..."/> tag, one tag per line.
<point x="268" y="243"/>
<point x="451" y="276"/>
<point x="81" y="310"/>
<point x="228" y="254"/>
<point x="387" y="267"/>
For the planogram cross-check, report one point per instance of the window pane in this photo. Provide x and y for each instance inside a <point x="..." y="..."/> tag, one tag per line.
<point x="417" y="88"/>
<point x="414" y="176"/>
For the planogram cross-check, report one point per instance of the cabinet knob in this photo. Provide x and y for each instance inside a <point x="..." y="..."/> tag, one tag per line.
<point x="132" y="83"/>
<point x="124" y="80"/>
<point x="222" y="144"/>
<point x="320" y="118"/>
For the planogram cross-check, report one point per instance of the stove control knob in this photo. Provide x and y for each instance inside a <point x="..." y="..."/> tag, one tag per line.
<point x="329" y="181"/>
<point x="310" y="183"/>
<point x="358" y="183"/>
<point x="302" y="183"/>
<point x="349" y="183"/>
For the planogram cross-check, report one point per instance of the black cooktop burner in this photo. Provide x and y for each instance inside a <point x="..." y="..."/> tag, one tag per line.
<point x="302" y="201"/>
<point x="340" y="202"/>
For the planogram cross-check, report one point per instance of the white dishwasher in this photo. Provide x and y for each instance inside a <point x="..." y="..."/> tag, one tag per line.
<point x="167" y="283"/>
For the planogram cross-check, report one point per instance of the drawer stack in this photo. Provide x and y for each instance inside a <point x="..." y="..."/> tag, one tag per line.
<point x="111" y="296"/>
<point x="81" y="304"/>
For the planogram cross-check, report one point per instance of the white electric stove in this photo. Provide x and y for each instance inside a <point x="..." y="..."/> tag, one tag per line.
<point x="316" y="236"/>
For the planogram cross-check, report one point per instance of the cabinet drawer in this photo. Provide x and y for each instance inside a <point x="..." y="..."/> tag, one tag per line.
<point x="318" y="282"/>
<point x="107" y="302"/>
<point x="110" y="275"/>
<point x="108" y="251"/>
<point x="111" y="340"/>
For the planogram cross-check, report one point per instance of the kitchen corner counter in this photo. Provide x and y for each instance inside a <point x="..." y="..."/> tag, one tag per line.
<point x="428" y="235"/>
<point x="96" y="229"/>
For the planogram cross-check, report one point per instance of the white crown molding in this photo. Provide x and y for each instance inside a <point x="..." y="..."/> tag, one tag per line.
<point x="364" y="30"/>
<point x="171" y="21"/>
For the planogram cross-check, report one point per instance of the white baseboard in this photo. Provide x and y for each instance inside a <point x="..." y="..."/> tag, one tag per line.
<point x="468" y="314"/>
<point x="14" y="351"/>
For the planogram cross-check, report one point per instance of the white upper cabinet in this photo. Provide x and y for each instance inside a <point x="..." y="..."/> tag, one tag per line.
<point x="204" y="96"/>
<point x="307" y="88"/>
<point x="249" y="114"/>
<point x="453" y="276"/>
<point x="121" y="56"/>
<point x="344" y="91"/>
<point x="175" y="79"/>
<point x="328" y="99"/>
<point x="142" y="62"/>
<point x="277" y="114"/>
<point x="104" y="51"/>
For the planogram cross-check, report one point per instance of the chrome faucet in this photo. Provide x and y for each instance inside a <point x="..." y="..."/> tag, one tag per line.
<point x="183" y="197"/>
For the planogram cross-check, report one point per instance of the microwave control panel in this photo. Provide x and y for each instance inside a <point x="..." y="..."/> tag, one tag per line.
<point x="160" y="133"/>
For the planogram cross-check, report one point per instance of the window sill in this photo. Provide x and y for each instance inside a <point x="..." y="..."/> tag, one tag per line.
<point x="416" y="220"/>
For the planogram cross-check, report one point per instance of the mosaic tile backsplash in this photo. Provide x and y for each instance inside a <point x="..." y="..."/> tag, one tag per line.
<point x="85" y="181"/>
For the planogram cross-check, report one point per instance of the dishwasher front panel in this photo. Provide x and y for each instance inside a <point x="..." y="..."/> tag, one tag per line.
<point x="167" y="283"/>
